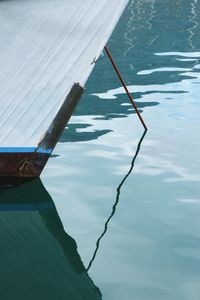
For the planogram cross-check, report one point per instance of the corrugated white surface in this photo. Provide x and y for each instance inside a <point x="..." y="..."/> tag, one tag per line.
<point x="45" y="47"/>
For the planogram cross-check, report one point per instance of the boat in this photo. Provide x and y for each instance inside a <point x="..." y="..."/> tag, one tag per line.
<point x="47" y="51"/>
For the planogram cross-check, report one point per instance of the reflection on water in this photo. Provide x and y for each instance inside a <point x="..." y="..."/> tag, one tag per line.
<point x="151" y="250"/>
<point x="193" y="20"/>
<point x="39" y="260"/>
<point x="116" y="200"/>
<point x="146" y="29"/>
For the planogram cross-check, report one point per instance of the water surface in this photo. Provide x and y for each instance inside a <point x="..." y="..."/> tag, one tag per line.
<point x="131" y="202"/>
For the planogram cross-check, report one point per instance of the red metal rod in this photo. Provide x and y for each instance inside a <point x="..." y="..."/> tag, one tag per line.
<point x="125" y="87"/>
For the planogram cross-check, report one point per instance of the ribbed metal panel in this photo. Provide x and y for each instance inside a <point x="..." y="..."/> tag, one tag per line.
<point x="45" y="47"/>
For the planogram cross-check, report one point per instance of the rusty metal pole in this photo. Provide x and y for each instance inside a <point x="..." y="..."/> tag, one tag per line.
<point x="125" y="87"/>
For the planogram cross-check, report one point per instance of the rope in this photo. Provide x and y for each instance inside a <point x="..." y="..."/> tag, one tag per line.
<point x="125" y="87"/>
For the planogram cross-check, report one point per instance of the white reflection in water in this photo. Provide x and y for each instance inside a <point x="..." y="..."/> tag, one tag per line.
<point x="166" y="69"/>
<point x="139" y="10"/>
<point x="186" y="59"/>
<point x="189" y="200"/>
<point x="104" y="154"/>
<point x="193" y="21"/>
<point x="182" y="54"/>
<point x="152" y="165"/>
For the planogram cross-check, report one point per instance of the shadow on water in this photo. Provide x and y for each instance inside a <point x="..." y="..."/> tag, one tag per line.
<point x="72" y="133"/>
<point x="91" y="104"/>
<point x="39" y="260"/>
<point x="75" y="132"/>
<point x="116" y="200"/>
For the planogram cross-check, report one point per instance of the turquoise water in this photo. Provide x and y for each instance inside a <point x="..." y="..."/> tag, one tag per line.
<point x="116" y="213"/>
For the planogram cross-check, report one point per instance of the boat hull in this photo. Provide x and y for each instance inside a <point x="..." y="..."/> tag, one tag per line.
<point x="22" y="164"/>
<point x="48" y="50"/>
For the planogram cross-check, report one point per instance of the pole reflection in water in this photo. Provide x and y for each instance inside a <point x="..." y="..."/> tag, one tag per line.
<point x="39" y="260"/>
<point x="117" y="199"/>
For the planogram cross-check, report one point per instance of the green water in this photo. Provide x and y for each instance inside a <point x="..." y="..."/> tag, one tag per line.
<point x="116" y="213"/>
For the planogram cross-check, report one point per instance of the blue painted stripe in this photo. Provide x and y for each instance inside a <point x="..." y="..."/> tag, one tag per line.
<point x="24" y="150"/>
<point x="41" y="150"/>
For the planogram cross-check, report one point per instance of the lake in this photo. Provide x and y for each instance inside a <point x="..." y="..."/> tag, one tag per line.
<point x="115" y="215"/>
